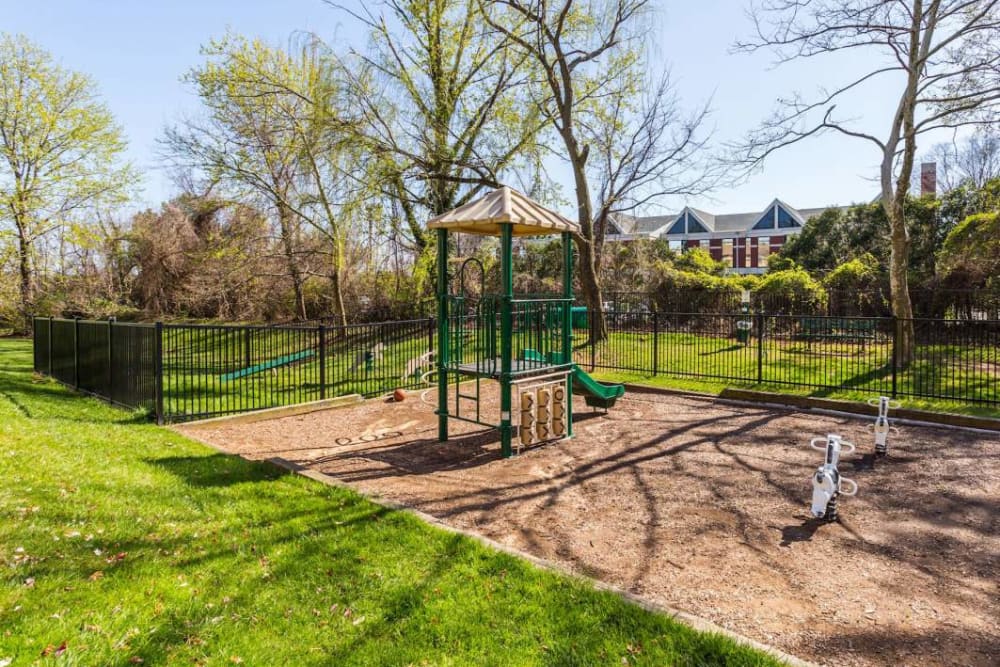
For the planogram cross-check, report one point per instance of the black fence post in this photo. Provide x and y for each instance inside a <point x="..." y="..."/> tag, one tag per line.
<point x="111" y="361"/>
<point x="761" y="322"/>
<point x="246" y="347"/>
<point x="431" y="329"/>
<point x="76" y="353"/>
<point x="322" y="361"/>
<point x="656" y="343"/>
<point x="895" y="352"/>
<point x="158" y="372"/>
<point x="50" y="346"/>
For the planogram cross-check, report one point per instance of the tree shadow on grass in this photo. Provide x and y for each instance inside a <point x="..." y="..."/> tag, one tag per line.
<point x="862" y="381"/>
<point x="218" y="469"/>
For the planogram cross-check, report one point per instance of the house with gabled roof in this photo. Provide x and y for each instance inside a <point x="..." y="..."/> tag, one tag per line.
<point x="743" y="240"/>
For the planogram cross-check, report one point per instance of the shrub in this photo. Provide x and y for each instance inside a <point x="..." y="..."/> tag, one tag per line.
<point x="699" y="260"/>
<point x="856" y="286"/>
<point x="690" y="292"/>
<point x="790" y="291"/>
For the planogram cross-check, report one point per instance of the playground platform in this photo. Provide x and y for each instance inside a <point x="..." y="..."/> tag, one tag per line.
<point x="490" y="368"/>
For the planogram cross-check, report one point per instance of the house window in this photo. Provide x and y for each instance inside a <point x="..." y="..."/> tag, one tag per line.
<point x="727" y="251"/>
<point x="785" y="219"/>
<point x="676" y="246"/>
<point x="677" y="227"/>
<point x="763" y="250"/>
<point x="766" y="221"/>
<point x="694" y="227"/>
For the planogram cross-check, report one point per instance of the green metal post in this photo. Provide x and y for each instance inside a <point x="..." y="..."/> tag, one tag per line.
<point x="506" y="331"/>
<point x="567" y="341"/>
<point x="442" y="323"/>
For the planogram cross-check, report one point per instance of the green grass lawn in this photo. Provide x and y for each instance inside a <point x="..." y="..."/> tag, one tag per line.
<point x="123" y="543"/>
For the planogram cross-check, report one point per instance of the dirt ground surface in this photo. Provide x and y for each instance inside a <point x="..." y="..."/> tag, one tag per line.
<point x="704" y="506"/>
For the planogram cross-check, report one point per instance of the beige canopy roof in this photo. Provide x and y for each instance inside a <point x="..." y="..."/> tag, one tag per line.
<point x="503" y="206"/>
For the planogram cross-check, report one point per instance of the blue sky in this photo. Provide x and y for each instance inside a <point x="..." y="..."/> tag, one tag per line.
<point x="137" y="51"/>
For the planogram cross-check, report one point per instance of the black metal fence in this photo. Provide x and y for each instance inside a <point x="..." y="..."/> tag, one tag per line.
<point x="954" y="360"/>
<point x="117" y="362"/>
<point x="186" y="372"/>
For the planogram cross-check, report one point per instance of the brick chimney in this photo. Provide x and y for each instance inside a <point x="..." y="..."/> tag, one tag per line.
<point x="928" y="179"/>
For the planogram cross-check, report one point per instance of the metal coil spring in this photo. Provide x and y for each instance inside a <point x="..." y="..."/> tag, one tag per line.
<point x="831" y="509"/>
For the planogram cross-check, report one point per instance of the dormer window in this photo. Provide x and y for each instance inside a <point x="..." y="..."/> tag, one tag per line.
<point x="693" y="225"/>
<point x="766" y="221"/>
<point x="678" y="226"/>
<point x="785" y="219"/>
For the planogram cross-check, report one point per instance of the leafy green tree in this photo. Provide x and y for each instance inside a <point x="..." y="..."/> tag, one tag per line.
<point x="940" y="58"/>
<point x="60" y="155"/>
<point x="439" y="100"/>
<point x="973" y="248"/>
<point x="619" y="129"/>
<point x="248" y="141"/>
<point x="297" y="97"/>
<point x="837" y="236"/>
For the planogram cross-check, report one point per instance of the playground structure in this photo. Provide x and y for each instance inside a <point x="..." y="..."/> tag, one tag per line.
<point x="828" y="484"/>
<point x="882" y="427"/>
<point x="515" y="340"/>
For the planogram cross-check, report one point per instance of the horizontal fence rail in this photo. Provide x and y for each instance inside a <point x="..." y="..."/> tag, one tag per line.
<point x="186" y="372"/>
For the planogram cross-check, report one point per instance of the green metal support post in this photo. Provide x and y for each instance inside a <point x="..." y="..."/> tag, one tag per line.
<point x="442" y="343"/>
<point x="506" y="331"/>
<point x="567" y="337"/>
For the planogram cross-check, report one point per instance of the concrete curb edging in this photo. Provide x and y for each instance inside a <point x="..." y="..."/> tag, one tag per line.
<point x="276" y="413"/>
<point x="690" y="620"/>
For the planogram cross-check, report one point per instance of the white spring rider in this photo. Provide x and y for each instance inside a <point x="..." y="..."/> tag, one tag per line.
<point x="882" y="427"/>
<point x="827" y="482"/>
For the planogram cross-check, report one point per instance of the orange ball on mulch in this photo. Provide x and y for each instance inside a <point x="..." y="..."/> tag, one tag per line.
<point x="399" y="395"/>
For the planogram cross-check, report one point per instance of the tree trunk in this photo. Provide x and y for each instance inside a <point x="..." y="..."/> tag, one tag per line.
<point x="902" y="308"/>
<point x="288" y="245"/>
<point x="587" y="261"/>
<point x="26" y="279"/>
<point x="591" y="288"/>
<point x="338" y="297"/>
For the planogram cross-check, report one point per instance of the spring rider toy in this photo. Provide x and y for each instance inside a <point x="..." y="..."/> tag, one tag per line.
<point x="827" y="482"/>
<point x="882" y="427"/>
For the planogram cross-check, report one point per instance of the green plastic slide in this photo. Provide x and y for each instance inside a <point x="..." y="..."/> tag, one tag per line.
<point x="267" y="365"/>
<point x="595" y="394"/>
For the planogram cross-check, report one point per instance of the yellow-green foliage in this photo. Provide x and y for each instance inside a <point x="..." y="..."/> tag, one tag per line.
<point x="862" y="272"/>
<point x="973" y="246"/>
<point x="794" y="286"/>
<point x="699" y="260"/>
<point x="689" y="291"/>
